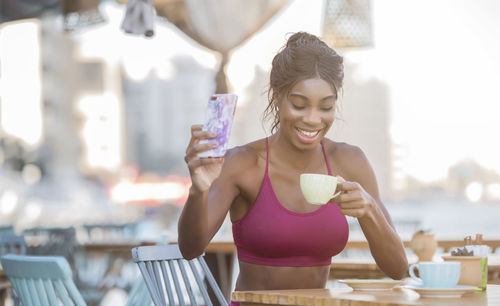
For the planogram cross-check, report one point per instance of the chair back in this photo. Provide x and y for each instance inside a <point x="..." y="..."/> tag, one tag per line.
<point x="51" y="241"/>
<point x="41" y="280"/>
<point x="7" y="230"/>
<point x="164" y="270"/>
<point x="12" y="244"/>
<point x="106" y="232"/>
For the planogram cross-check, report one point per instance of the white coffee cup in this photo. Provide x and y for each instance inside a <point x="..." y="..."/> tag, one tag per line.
<point x="318" y="188"/>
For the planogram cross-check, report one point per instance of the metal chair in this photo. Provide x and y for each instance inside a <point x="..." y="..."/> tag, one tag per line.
<point x="7" y="230"/>
<point x="41" y="280"/>
<point x="139" y="294"/>
<point x="107" y="232"/>
<point x="12" y="244"/>
<point x="158" y="265"/>
<point x="47" y="280"/>
<point x="52" y="241"/>
<point x="15" y="245"/>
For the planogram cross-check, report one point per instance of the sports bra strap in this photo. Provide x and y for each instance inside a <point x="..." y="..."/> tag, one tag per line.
<point x="322" y="148"/>
<point x="326" y="159"/>
<point x="267" y="156"/>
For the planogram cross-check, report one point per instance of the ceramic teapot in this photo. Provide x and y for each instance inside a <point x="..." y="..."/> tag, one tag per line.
<point x="424" y="245"/>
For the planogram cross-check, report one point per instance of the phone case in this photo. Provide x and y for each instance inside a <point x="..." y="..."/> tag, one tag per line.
<point x="219" y="119"/>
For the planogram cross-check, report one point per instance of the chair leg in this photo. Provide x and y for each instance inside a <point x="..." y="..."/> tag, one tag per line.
<point x="213" y="262"/>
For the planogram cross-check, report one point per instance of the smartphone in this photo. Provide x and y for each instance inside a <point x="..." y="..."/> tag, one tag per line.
<point x="219" y="119"/>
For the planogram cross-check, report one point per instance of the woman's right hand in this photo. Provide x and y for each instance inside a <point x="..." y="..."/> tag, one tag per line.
<point x="203" y="171"/>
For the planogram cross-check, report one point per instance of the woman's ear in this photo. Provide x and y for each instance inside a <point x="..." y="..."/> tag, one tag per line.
<point x="279" y="100"/>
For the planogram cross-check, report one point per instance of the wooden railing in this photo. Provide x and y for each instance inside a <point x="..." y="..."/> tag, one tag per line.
<point x="445" y="244"/>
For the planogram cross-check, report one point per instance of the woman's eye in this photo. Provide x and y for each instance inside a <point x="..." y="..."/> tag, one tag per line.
<point x="299" y="107"/>
<point x="326" y="109"/>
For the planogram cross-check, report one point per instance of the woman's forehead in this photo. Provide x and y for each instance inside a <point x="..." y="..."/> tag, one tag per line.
<point x="312" y="87"/>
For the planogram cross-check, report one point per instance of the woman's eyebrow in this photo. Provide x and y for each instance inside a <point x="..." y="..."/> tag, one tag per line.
<point x="301" y="96"/>
<point x="334" y="97"/>
<point x="292" y="94"/>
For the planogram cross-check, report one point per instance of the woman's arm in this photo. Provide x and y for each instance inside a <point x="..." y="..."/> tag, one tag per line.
<point x="360" y="198"/>
<point x="211" y="194"/>
<point x="203" y="215"/>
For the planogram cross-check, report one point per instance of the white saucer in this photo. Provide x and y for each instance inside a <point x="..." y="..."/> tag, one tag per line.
<point x="371" y="284"/>
<point x="454" y="292"/>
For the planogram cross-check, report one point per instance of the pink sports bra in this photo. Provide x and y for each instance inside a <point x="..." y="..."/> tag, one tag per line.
<point x="270" y="234"/>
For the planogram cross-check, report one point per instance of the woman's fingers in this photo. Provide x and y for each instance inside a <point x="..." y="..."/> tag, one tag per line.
<point x="353" y="200"/>
<point x="203" y="135"/>
<point x="356" y="213"/>
<point x="193" y="151"/>
<point x="340" y="179"/>
<point x="351" y="205"/>
<point x="348" y="186"/>
<point x="198" y="134"/>
<point x="348" y="196"/>
<point x="196" y="127"/>
<point x="198" y="162"/>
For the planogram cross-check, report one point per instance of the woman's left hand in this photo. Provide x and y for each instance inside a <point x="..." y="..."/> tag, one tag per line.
<point x="353" y="200"/>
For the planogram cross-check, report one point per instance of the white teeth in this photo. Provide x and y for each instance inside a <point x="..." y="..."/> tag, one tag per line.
<point x="308" y="134"/>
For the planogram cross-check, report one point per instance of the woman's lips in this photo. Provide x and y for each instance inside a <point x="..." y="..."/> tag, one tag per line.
<point x="307" y="136"/>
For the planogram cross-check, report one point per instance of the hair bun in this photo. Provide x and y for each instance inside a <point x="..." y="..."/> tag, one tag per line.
<point x="301" y="39"/>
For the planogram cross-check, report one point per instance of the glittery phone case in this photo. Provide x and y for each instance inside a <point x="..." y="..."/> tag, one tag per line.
<point x="219" y="119"/>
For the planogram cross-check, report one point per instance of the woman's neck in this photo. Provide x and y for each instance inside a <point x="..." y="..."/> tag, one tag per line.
<point x="291" y="155"/>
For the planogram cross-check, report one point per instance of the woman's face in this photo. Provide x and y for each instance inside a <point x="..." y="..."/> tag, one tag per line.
<point x="307" y="113"/>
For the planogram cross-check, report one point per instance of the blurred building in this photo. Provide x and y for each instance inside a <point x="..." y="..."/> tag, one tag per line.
<point x="61" y="83"/>
<point x="363" y="120"/>
<point x="468" y="179"/>
<point x="159" y="113"/>
<point x="248" y="125"/>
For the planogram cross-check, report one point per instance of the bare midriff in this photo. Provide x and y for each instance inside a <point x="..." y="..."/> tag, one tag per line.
<point x="259" y="277"/>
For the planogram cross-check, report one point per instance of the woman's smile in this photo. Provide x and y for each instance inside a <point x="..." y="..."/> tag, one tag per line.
<point x="308" y="136"/>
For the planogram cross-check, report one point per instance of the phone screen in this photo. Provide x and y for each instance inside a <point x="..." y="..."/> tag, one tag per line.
<point x="219" y="119"/>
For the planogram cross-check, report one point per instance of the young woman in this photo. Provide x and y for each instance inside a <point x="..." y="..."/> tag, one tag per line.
<point x="282" y="241"/>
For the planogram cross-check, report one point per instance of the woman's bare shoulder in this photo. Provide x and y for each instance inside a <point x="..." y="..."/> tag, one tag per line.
<point x="342" y="149"/>
<point x="246" y="156"/>
<point x="348" y="158"/>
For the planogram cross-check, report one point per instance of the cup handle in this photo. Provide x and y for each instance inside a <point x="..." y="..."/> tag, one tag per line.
<point x="336" y="194"/>
<point x="412" y="272"/>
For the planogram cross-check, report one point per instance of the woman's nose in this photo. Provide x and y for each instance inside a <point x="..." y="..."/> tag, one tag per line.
<point x="312" y="117"/>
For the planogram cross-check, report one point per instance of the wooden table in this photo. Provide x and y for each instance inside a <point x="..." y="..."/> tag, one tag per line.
<point x="364" y="268"/>
<point x="125" y="247"/>
<point x="345" y="296"/>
